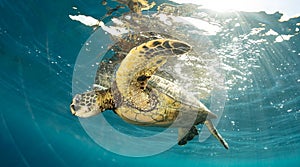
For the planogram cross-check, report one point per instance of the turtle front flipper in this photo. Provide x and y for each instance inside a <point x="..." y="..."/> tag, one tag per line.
<point x="214" y="131"/>
<point x="139" y="65"/>
<point x="144" y="60"/>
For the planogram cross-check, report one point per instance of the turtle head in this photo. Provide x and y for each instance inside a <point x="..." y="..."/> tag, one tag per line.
<point x="91" y="103"/>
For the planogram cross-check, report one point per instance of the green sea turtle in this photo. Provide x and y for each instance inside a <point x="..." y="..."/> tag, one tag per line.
<point x="140" y="97"/>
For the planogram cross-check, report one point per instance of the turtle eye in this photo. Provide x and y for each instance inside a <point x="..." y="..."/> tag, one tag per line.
<point x="77" y="98"/>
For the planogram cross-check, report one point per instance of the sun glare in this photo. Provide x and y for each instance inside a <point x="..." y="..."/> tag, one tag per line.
<point x="228" y="5"/>
<point x="224" y="5"/>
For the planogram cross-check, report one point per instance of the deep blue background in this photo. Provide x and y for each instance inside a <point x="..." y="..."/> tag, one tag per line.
<point x="38" y="49"/>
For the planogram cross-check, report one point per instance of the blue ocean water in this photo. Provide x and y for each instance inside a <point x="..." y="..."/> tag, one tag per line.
<point x="39" y="44"/>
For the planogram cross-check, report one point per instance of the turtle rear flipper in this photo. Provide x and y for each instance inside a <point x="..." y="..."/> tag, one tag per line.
<point x="214" y="131"/>
<point x="186" y="134"/>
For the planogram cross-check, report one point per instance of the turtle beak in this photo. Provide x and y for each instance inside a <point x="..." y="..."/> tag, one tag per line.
<point x="73" y="106"/>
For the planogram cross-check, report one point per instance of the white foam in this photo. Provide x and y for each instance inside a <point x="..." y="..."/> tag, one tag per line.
<point x="86" y="20"/>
